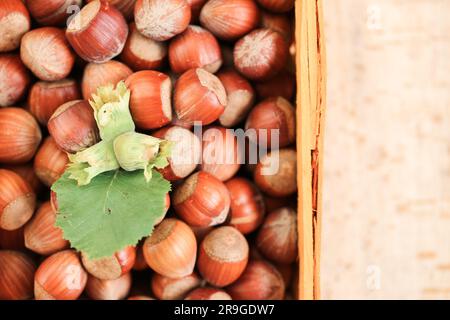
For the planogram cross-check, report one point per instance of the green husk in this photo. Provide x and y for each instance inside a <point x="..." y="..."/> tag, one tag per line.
<point x="111" y="111"/>
<point x="87" y="164"/>
<point x="135" y="151"/>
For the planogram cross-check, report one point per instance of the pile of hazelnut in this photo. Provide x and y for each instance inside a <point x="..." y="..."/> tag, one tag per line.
<point x="230" y="231"/>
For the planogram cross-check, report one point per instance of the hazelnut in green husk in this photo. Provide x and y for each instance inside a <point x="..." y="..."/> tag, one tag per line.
<point x="135" y="151"/>
<point x="111" y="111"/>
<point x="89" y="163"/>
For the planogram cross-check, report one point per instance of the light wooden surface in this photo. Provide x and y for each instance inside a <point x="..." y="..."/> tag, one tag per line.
<point x="386" y="218"/>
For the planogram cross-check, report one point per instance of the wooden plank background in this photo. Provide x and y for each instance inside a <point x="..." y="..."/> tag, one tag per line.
<point x="386" y="218"/>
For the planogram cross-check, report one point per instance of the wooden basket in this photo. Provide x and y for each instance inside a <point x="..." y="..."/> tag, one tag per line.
<point x="311" y="94"/>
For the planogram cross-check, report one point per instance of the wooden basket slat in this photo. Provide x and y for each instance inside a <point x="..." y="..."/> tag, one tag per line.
<point x="311" y="90"/>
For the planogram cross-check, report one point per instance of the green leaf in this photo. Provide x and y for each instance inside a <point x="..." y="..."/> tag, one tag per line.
<point x="114" y="210"/>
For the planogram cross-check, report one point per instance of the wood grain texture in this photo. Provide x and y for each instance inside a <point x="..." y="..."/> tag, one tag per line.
<point x="386" y="218"/>
<point x="311" y="66"/>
